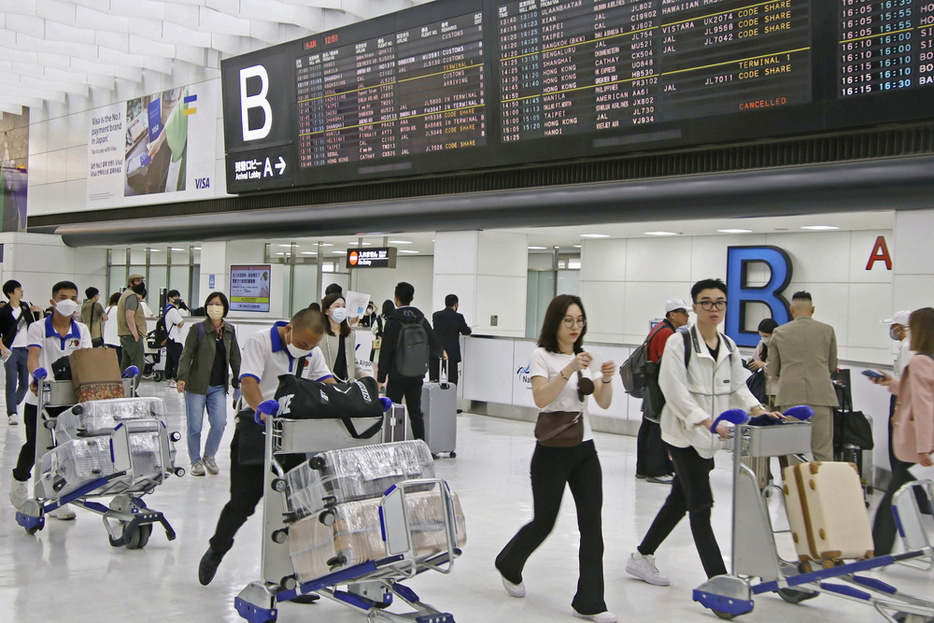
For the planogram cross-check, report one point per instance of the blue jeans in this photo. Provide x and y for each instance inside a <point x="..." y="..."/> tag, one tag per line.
<point x="216" y="402"/>
<point x="17" y="378"/>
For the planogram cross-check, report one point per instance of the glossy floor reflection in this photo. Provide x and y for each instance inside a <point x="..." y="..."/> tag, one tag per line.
<point x="68" y="571"/>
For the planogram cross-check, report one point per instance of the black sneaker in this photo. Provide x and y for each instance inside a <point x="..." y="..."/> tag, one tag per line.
<point x="208" y="567"/>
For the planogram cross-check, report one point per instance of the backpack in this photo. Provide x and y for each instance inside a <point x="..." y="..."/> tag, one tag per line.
<point x="633" y="370"/>
<point x="412" y="352"/>
<point x="160" y="334"/>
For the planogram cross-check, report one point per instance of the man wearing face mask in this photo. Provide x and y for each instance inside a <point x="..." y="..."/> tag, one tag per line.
<point x="173" y="347"/>
<point x="131" y="324"/>
<point x="58" y="336"/>
<point x="287" y="348"/>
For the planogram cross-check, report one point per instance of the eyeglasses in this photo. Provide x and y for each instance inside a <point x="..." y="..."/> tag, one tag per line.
<point x="711" y="305"/>
<point x="570" y="323"/>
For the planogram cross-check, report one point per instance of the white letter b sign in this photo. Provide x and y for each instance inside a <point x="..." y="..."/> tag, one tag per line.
<point x="259" y="100"/>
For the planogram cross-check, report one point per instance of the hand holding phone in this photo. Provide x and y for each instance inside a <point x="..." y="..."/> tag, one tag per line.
<point x="872" y="374"/>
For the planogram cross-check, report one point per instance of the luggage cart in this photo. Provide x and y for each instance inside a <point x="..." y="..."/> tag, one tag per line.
<point x="370" y="587"/>
<point x="154" y="359"/>
<point x="756" y="566"/>
<point x="127" y="519"/>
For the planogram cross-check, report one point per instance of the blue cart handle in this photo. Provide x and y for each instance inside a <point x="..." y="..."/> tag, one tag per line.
<point x="801" y="412"/>
<point x="387" y="403"/>
<point x="266" y="407"/>
<point x="733" y="416"/>
<point x="40" y="373"/>
<point x="131" y="372"/>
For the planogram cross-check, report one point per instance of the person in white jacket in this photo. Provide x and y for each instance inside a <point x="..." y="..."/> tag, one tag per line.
<point x="698" y="386"/>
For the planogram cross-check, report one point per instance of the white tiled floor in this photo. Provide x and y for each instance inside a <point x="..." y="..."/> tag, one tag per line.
<point x="68" y="571"/>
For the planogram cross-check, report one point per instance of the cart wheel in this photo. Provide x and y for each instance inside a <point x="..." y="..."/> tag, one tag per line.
<point x="727" y="616"/>
<point x="279" y="484"/>
<point x="157" y="376"/>
<point x="34" y="529"/>
<point x="453" y="455"/>
<point x="794" y="596"/>
<point x="139" y="538"/>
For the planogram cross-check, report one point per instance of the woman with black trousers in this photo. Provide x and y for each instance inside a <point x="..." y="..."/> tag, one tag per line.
<point x="561" y="376"/>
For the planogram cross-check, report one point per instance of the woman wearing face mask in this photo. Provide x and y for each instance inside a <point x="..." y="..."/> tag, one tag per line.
<point x="761" y="355"/>
<point x="211" y="350"/>
<point x="340" y="343"/>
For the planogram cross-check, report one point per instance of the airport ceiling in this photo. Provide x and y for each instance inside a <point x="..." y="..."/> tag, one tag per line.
<point x="53" y="51"/>
<point x="568" y="239"/>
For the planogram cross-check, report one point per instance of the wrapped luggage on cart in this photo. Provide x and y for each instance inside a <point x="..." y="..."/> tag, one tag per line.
<point x="101" y="417"/>
<point x="357" y="473"/>
<point x="354" y="521"/>
<point x="116" y="447"/>
<point x="351" y="533"/>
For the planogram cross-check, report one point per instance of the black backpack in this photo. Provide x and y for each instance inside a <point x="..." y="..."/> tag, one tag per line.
<point x="412" y="351"/>
<point x="160" y="334"/>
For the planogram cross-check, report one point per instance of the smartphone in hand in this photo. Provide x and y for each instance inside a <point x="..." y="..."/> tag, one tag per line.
<point x="873" y="374"/>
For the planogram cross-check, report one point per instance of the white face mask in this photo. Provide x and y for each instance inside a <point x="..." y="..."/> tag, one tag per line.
<point x="66" y="308"/>
<point x="295" y="351"/>
<point x="339" y="314"/>
<point x="215" y="312"/>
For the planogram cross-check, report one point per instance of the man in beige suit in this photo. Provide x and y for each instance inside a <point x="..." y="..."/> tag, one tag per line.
<point x="802" y="354"/>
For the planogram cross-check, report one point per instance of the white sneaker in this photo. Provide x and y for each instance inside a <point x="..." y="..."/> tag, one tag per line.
<point x="643" y="567"/>
<point x="514" y="590"/>
<point x="18" y="494"/>
<point x="210" y="464"/>
<point x="197" y="469"/>
<point x="64" y="513"/>
<point x="603" y="617"/>
<point x="13" y="420"/>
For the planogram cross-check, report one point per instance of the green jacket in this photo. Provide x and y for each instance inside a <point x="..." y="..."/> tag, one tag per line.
<point x="197" y="360"/>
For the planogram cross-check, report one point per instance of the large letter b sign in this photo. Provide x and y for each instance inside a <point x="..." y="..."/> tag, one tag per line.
<point x="257" y="100"/>
<point x="739" y="260"/>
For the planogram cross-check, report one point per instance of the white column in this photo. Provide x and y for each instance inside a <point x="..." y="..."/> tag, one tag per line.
<point x="488" y="271"/>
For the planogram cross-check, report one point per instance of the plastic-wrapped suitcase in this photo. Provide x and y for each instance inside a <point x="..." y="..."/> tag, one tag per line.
<point x="396" y="425"/>
<point x="73" y="464"/>
<point x="828" y="519"/>
<point x="347" y="474"/>
<point x="439" y="410"/>
<point x="353" y="534"/>
<point x="77" y="462"/>
<point x="101" y="417"/>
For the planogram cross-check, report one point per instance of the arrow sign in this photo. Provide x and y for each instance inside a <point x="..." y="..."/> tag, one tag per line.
<point x="280" y="165"/>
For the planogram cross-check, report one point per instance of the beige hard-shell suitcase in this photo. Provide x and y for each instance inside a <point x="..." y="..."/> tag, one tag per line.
<point x="826" y="512"/>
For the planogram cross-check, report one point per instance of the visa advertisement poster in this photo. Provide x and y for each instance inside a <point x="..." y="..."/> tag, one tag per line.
<point x="163" y="142"/>
<point x="249" y="288"/>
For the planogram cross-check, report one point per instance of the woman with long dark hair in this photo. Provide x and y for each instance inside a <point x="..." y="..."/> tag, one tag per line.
<point x="211" y="352"/>
<point x="340" y="343"/>
<point x="561" y="377"/>
<point x="912" y="424"/>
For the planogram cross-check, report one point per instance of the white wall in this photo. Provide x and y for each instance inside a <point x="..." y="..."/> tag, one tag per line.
<point x="38" y="261"/>
<point x="625" y="283"/>
<point x="380" y="283"/>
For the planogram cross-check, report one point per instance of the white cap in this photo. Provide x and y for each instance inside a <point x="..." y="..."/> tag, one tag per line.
<point x="674" y="304"/>
<point x="900" y="317"/>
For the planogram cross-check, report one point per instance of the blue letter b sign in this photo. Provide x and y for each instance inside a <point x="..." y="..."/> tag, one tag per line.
<point x="739" y="260"/>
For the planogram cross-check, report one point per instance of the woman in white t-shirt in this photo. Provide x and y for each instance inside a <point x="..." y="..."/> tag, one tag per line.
<point x="561" y="376"/>
<point x="111" y="339"/>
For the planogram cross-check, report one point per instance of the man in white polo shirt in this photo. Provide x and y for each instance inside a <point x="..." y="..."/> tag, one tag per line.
<point x="287" y="348"/>
<point x="58" y="336"/>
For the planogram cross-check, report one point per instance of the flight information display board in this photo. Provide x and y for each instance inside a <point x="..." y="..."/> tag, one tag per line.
<point x="569" y="66"/>
<point x="884" y="46"/>
<point x="417" y="91"/>
<point x="455" y="85"/>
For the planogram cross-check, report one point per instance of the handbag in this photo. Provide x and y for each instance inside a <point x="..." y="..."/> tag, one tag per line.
<point x="560" y="429"/>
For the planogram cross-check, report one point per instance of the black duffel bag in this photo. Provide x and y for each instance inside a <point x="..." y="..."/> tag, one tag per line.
<point x="851" y="428"/>
<point x="301" y="398"/>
